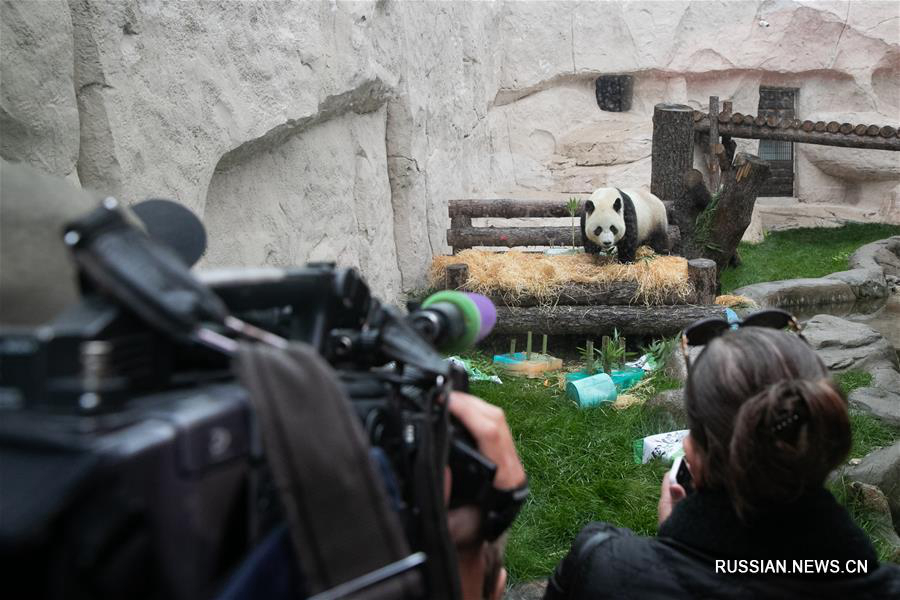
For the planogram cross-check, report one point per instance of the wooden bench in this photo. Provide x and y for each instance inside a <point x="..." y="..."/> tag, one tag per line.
<point x="462" y="234"/>
<point x="591" y="309"/>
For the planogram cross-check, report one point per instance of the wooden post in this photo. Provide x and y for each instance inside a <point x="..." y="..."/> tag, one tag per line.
<point x="512" y="347"/>
<point x="712" y="160"/>
<point x="458" y="222"/>
<point x="456" y="276"/>
<point x="528" y="346"/>
<point x="672" y="150"/>
<point x="544" y="345"/>
<point x="702" y="276"/>
<point x="604" y="352"/>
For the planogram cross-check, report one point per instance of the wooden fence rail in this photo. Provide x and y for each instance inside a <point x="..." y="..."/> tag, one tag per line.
<point x="844" y="135"/>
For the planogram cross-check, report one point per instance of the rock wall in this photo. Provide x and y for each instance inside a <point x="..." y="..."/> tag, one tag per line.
<point x="340" y="129"/>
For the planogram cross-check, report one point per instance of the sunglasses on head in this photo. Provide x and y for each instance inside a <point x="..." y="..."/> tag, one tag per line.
<point x="704" y="331"/>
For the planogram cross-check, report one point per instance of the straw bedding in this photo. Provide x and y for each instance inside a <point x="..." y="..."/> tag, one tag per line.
<point x="514" y="274"/>
<point x="732" y="301"/>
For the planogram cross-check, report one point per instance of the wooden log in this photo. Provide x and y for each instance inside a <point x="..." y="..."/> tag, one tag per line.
<point x="599" y="320"/>
<point x="507" y="208"/>
<point x="832" y="127"/>
<point x="772" y="121"/>
<point x="509" y="237"/>
<point x="713" y="161"/>
<point x="458" y="222"/>
<point x="860" y="129"/>
<point x="702" y="275"/>
<point x="796" y="123"/>
<point x="873" y="130"/>
<point x="806" y="136"/>
<point x="759" y="121"/>
<point x="672" y="149"/>
<point x="734" y="208"/>
<point x="807" y="126"/>
<point x="737" y="118"/>
<point x="698" y="115"/>
<point x="713" y="120"/>
<point x="724" y="159"/>
<point x="749" y="119"/>
<point x="456" y="276"/>
<point x="846" y="128"/>
<point x="785" y="123"/>
<point x="727" y="106"/>
<point x="820" y="126"/>
<point x="887" y="131"/>
<point x="622" y="293"/>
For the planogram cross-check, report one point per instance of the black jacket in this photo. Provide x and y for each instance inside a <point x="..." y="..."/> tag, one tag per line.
<point x="611" y="562"/>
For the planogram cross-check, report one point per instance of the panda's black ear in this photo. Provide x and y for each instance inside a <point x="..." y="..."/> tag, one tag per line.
<point x="617" y="205"/>
<point x="588" y="207"/>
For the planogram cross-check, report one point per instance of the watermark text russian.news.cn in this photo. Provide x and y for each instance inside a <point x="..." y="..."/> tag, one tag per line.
<point x="792" y="567"/>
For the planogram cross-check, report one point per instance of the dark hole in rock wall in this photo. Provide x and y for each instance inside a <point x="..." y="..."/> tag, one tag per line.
<point x="614" y="92"/>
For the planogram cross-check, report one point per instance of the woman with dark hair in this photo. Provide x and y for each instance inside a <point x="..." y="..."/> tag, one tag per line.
<point x="767" y="424"/>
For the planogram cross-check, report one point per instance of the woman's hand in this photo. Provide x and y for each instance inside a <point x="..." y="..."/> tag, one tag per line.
<point x="670" y="494"/>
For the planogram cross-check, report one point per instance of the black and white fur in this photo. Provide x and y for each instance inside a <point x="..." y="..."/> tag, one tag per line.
<point x="624" y="219"/>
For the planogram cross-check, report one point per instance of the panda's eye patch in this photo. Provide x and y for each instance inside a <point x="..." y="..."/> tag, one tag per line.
<point x="613" y="229"/>
<point x="598" y="231"/>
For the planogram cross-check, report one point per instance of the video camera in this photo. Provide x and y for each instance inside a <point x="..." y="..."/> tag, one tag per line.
<point x="134" y="464"/>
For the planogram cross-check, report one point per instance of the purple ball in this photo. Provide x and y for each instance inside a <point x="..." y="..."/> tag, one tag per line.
<point x="488" y="313"/>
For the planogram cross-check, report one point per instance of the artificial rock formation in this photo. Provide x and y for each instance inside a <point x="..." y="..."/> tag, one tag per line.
<point x="291" y="126"/>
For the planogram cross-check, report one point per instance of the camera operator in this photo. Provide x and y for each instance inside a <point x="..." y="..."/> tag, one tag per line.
<point x="767" y="425"/>
<point x="182" y="527"/>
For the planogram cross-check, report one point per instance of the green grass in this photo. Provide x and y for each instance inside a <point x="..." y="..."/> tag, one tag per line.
<point x="580" y="466"/>
<point x="802" y="253"/>
<point x="853" y="380"/>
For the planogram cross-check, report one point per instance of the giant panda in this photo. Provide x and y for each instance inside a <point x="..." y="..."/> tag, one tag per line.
<point x="624" y="219"/>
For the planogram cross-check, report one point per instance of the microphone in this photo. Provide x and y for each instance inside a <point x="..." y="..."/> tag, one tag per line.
<point x="454" y="321"/>
<point x="174" y="225"/>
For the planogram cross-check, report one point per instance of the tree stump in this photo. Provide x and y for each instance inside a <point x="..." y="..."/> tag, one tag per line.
<point x="702" y="275"/>
<point x="732" y="213"/>
<point x="712" y="228"/>
<point x="672" y="149"/>
<point x="456" y="276"/>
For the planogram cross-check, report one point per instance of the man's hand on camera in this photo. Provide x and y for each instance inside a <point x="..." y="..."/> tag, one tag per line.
<point x="480" y="562"/>
<point x="487" y="424"/>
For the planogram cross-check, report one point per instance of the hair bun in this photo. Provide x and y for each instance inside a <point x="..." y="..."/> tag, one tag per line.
<point x="788" y="406"/>
<point x="786" y="439"/>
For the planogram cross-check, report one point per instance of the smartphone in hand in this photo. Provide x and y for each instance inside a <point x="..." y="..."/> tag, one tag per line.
<point x="681" y="474"/>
